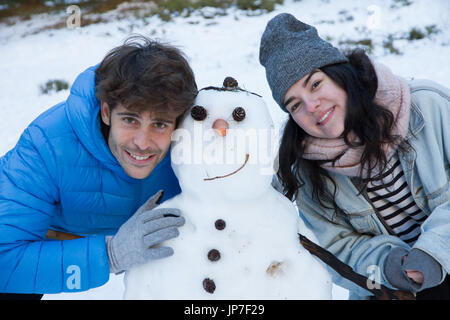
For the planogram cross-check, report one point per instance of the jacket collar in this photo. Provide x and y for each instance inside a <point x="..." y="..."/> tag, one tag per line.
<point x="416" y="121"/>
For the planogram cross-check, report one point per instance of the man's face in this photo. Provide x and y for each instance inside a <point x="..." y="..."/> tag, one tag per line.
<point x="139" y="141"/>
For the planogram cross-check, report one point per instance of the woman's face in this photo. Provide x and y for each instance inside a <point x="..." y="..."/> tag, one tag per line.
<point x="317" y="105"/>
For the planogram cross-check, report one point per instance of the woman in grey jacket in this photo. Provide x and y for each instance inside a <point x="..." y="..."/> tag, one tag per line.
<point x="365" y="154"/>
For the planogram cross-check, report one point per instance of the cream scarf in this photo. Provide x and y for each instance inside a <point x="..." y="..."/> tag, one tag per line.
<point x="394" y="94"/>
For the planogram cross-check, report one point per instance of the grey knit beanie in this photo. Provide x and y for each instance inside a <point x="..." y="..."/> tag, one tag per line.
<point x="289" y="50"/>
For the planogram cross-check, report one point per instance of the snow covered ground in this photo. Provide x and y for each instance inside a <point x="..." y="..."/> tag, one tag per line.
<point x="224" y="45"/>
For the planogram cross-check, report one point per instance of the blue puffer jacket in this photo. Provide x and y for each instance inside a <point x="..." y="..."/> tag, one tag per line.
<point x="61" y="175"/>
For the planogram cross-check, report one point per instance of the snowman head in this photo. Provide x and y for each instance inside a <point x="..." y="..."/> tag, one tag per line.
<point x="224" y="146"/>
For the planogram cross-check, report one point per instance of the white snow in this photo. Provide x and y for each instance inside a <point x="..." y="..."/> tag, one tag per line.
<point x="216" y="47"/>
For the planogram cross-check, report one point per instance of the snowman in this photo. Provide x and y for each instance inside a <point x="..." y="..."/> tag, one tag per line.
<point x="240" y="239"/>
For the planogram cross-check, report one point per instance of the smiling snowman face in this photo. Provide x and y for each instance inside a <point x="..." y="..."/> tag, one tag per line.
<point x="224" y="146"/>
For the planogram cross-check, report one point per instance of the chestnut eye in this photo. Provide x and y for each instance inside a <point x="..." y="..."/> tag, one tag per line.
<point x="238" y="114"/>
<point x="198" y="113"/>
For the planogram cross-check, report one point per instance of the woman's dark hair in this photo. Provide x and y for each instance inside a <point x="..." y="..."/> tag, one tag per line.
<point x="370" y="122"/>
<point x="143" y="74"/>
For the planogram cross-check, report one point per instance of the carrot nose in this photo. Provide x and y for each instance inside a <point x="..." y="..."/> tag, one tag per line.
<point x="221" y="127"/>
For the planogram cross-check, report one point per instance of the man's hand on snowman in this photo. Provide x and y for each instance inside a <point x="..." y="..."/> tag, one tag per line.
<point x="138" y="238"/>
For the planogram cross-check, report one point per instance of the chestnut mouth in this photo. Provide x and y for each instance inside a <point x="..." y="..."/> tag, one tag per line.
<point x="227" y="175"/>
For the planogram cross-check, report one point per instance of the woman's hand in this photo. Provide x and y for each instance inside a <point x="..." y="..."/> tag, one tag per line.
<point x="415" y="276"/>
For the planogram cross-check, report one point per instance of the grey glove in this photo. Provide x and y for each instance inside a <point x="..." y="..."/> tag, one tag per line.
<point x="431" y="269"/>
<point x="395" y="269"/>
<point x="137" y="240"/>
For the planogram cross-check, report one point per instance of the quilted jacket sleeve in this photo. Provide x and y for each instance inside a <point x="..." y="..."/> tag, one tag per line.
<point x="29" y="262"/>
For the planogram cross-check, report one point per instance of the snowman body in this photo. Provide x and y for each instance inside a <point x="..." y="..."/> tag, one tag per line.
<point x="240" y="240"/>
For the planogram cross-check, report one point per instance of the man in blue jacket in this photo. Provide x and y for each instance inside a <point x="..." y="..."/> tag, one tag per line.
<point x="90" y="169"/>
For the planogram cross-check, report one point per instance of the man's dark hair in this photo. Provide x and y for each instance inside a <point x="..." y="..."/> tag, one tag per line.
<point x="143" y="74"/>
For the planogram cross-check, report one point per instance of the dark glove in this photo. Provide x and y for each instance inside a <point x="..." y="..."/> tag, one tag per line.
<point x="395" y="269"/>
<point x="427" y="265"/>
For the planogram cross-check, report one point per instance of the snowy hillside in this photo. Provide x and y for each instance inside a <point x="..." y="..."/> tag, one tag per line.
<point x="411" y="37"/>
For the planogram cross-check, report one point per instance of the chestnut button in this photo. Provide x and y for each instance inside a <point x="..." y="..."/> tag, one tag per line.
<point x="213" y="255"/>
<point x="209" y="285"/>
<point x="220" y="224"/>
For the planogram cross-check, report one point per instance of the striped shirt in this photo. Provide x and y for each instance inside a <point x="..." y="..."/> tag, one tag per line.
<point x="391" y="196"/>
